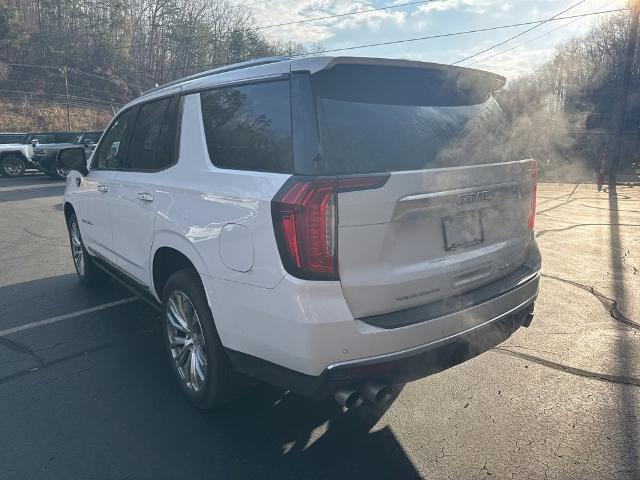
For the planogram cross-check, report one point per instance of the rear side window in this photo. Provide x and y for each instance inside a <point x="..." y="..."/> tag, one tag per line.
<point x="154" y="137"/>
<point x="91" y="137"/>
<point x="110" y="154"/>
<point x="248" y="127"/>
<point x="64" y="137"/>
<point x="42" y="138"/>
<point x="10" y="138"/>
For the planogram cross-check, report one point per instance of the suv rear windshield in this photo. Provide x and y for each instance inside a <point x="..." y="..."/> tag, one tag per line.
<point x="378" y="119"/>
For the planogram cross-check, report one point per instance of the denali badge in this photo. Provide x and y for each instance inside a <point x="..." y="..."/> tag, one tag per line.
<point x="506" y="266"/>
<point x="418" y="294"/>
<point x="475" y="197"/>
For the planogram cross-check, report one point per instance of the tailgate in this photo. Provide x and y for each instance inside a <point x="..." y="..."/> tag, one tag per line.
<point x="431" y="234"/>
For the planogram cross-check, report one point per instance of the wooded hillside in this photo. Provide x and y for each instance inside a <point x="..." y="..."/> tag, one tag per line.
<point x="115" y="49"/>
<point x="563" y="111"/>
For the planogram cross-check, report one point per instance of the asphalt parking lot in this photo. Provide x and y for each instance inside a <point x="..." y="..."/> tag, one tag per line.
<point x="85" y="390"/>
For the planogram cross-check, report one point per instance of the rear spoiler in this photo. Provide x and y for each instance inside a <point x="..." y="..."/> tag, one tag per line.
<point x="491" y="81"/>
<point x="403" y="82"/>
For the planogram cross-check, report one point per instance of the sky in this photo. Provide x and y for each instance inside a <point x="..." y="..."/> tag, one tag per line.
<point x="432" y="18"/>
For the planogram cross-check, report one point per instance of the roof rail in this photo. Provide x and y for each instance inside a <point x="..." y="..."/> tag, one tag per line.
<point x="227" y="68"/>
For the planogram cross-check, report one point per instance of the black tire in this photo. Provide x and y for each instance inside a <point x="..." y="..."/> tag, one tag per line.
<point x="12" y="165"/>
<point x="89" y="273"/>
<point x="60" y="172"/>
<point x="221" y="382"/>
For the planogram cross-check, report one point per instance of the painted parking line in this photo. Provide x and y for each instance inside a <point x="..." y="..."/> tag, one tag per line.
<point x="67" y="316"/>
<point x="13" y="188"/>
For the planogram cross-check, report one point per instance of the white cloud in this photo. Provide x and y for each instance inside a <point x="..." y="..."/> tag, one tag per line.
<point x="473" y="6"/>
<point x="515" y="63"/>
<point x="438" y="16"/>
<point x="272" y="13"/>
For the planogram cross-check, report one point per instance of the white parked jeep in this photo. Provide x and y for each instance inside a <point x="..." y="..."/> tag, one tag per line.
<point x="14" y="159"/>
<point x="331" y="225"/>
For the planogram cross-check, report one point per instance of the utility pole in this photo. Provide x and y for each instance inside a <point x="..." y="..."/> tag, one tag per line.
<point x="66" y="86"/>
<point x="616" y="148"/>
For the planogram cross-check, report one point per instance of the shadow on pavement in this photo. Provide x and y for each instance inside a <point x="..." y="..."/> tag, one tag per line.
<point x="626" y="353"/>
<point x="101" y="402"/>
<point x="55" y="190"/>
<point x="29" y="178"/>
<point x="39" y="299"/>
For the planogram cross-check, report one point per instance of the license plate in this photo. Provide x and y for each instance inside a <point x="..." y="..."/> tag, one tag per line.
<point x="462" y="230"/>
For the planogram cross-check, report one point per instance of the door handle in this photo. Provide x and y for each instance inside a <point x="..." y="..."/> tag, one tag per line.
<point x="144" y="196"/>
<point x="103" y="188"/>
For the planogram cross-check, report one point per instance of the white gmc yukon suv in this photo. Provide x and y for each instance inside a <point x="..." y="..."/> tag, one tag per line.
<point x="330" y="225"/>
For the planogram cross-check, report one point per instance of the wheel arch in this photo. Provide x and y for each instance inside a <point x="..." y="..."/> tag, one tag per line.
<point x="68" y="211"/>
<point x="18" y="153"/>
<point x="169" y="254"/>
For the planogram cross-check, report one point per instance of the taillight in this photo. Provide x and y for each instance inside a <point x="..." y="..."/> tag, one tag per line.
<point x="305" y="222"/>
<point x="534" y="187"/>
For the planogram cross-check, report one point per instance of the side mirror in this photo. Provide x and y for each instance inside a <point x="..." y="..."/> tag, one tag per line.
<point x="35" y="142"/>
<point x="74" y="158"/>
<point x="87" y="143"/>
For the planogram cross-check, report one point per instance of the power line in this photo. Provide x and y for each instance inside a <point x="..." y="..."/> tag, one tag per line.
<point x="393" y="42"/>
<point x="57" y="67"/>
<point x="453" y="34"/>
<point x="60" y="95"/>
<point x="535" y="38"/>
<point x="254" y="3"/>
<point x="339" y="15"/>
<point x="315" y="19"/>
<point x="74" y="70"/>
<point x="519" y="34"/>
<point x="117" y="81"/>
<point x="57" y="84"/>
<point x="429" y="37"/>
<point x="93" y="75"/>
<point x="525" y="43"/>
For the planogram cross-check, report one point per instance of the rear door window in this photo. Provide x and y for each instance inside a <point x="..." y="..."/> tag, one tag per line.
<point x="153" y="145"/>
<point x="248" y="127"/>
<point x="112" y="148"/>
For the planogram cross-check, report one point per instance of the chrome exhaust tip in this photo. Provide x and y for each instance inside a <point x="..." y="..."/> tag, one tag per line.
<point x="377" y="393"/>
<point x="348" y="398"/>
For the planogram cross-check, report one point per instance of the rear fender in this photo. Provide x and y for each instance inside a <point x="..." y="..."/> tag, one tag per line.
<point x="167" y="238"/>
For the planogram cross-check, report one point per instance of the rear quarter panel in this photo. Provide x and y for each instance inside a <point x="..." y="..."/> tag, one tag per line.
<point x="195" y="200"/>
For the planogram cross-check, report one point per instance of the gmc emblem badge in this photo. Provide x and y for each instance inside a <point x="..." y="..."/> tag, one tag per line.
<point x="475" y="197"/>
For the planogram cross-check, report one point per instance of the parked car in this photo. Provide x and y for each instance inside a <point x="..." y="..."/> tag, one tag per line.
<point x="330" y="225"/>
<point x="10" y="137"/>
<point x="33" y="138"/>
<point x="15" y="158"/>
<point x="45" y="156"/>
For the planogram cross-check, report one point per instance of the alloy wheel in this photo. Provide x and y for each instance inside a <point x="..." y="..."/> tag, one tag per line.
<point x="13" y="167"/>
<point x="186" y="341"/>
<point x="76" y="249"/>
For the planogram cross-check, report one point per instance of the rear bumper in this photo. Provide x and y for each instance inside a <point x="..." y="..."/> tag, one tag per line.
<point x="301" y="335"/>
<point x="394" y="368"/>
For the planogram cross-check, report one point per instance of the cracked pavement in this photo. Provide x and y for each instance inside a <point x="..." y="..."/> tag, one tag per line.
<point x="92" y="396"/>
